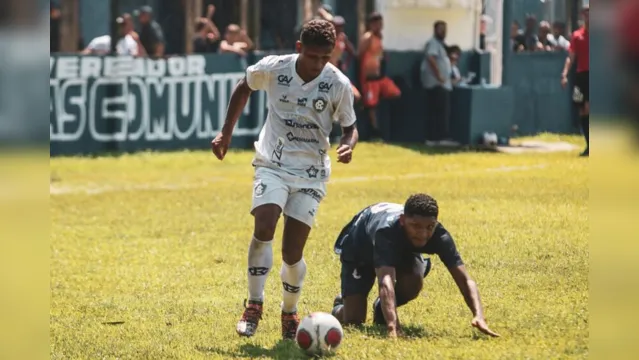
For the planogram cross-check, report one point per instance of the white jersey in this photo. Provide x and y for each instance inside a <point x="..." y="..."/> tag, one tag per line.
<point x="295" y="136"/>
<point x="125" y="46"/>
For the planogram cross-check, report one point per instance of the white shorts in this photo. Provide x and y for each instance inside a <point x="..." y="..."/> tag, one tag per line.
<point x="297" y="197"/>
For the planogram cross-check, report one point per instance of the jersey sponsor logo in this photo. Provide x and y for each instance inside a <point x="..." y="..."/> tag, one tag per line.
<point x="319" y="104"/>
<point x="277" y="152"/>
<point x="312" y="171"/>
<point x="284" y="99"/>
<point x="325" y="87"/>
<point x="284" y="80"/>
<point x="257" y="271"/>
<point x="296" y="125"/>
<point x="302" y="101"/>
<point x="292" y="137"/>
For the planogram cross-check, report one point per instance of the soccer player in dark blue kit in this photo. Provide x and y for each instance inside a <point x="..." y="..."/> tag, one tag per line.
<point x="385" y="241"/>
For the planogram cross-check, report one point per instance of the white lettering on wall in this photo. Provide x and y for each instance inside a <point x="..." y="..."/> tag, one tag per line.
<point x="127" y="99"/>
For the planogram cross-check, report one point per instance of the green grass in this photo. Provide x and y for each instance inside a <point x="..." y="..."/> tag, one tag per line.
<point x="148" y="255"/>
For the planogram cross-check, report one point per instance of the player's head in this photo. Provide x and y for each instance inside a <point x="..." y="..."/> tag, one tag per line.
<point x="339" y="23"/>
<point x="315" y="46"/>
<point x="439" y="29"/>
<point x="419" y="219"/>
<point x="375" y="22"/>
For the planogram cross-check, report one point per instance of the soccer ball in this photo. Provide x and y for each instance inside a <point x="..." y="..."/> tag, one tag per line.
<point x="319" y="334"/>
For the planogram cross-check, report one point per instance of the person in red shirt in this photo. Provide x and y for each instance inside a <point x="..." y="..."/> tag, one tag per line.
<point x="580" y="52"/>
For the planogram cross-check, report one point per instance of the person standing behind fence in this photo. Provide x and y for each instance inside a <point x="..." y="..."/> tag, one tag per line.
<point x="372" y="82"/>
<point x="436" y="78"/>
<point x="151" y="35"/>
<point x="580" y="52"/>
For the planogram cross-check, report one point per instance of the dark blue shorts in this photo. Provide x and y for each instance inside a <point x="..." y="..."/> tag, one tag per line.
<point x="359" y="279"/>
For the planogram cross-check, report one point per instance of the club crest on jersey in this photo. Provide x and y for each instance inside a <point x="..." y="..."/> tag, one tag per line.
<point x="325" y="87"/>
<point x="284" y="80"/>
<point x="319" y="104"/>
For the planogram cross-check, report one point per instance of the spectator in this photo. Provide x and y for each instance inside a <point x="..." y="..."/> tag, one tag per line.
<point x="207" y="35"/>
<point x="236" y="41"/>
<point x="101" y="45"/>
<point x="546" y="40"/>
<point x="130" y="30"/>
<point x="151" y="35"/>
<point x="54" y="28"/>
<point x="454" y="52"/>
<point x="515" y="30"/>
<point x="527" y="40"/>
<point x="436" y="78"/>
<point x="558" y="39"/>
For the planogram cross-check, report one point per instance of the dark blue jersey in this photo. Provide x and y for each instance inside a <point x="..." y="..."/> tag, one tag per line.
<point x="375" y="237"/>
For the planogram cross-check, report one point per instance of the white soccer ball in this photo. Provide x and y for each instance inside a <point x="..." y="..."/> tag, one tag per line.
<point x="319" y="334"/>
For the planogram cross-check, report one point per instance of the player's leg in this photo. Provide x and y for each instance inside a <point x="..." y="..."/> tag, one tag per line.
<point x="410" y="281"/>
<point x="299" y="211"/>
<point x="371" y="90"/>
<point x="585" y="111"/>
<point x="269" y="197"/>
<point x="350" y="306"/>
<point x="580" y="97"/>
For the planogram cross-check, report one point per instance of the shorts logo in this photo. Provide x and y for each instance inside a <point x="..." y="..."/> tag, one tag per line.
<point x="312" y="193"/>
<point x="259" y="189"/>
<point x="312" y="172"/>
<point x="356" y="275"/>
<point x="311" y="212"/>
<point x="577" y="95"/>
<point x="325" y="87"/>
<point x="319" y="104"/>
<point x="284" y="80"/>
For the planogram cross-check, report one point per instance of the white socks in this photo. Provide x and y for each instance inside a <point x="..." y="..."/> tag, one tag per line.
<point x="260" y="262"/>
<point x="292" y="280"/>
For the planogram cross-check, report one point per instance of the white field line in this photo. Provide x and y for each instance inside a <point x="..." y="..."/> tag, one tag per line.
<point x="63" y="190"/>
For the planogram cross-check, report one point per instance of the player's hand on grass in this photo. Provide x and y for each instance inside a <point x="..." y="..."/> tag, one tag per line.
<point x="480" y="324"/>
<point x="344" y="154"/>
<point x="220" y="145"/>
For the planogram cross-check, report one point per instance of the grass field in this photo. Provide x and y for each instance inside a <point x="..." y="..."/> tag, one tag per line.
<point x="148" y="255"/>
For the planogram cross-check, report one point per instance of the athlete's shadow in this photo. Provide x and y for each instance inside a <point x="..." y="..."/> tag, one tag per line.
<point x="284" y="349"/>
<point x="410" y="331"/>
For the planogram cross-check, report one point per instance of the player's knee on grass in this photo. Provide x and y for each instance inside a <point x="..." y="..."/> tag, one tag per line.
<point x="354" y="310"/>
<point x="266" y="217"/>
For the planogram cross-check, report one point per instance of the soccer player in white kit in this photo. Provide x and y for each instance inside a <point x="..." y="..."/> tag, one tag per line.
<point x="305" y="95"/>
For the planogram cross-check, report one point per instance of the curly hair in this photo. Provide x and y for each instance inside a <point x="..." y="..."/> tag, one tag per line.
<point x="319" y="33"/>
<point x="421" y="205"/>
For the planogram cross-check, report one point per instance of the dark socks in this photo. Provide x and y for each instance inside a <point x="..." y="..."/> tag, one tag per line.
<point x="585" y="127"/>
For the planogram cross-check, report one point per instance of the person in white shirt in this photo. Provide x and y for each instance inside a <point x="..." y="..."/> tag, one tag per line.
<point x="305" y="95"/>
<point x="101" y="45"/>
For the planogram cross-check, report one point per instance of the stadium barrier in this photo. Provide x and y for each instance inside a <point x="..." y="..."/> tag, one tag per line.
<point x="120" y="104"/>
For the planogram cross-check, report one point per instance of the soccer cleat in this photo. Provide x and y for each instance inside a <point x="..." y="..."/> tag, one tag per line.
<point x="247" y="326"/>
<point x="338" y="303"/>
<point x="378" y="314"/>
<point x="290" y="322"/>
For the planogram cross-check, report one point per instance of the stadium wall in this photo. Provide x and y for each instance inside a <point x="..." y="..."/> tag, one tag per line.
<point x="119" y="104"/>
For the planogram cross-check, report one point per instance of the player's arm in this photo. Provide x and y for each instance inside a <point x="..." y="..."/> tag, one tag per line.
<point x="364" y="45"/>
<point x="570" y="59"/>
<point x="345" y="114"/>
<point x="467" y="286"/>
<point x="238" y="101"/>
<point x="386" y="284"/>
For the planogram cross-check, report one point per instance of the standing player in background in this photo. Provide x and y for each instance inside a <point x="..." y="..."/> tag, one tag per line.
<point x="385" y="241"/>
<point x="305" y="95"/>
<point x="372" y="82"/>
<point x="580" y="52"/>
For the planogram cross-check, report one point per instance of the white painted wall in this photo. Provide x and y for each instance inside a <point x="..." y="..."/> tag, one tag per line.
<point x="410" y="25"/>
